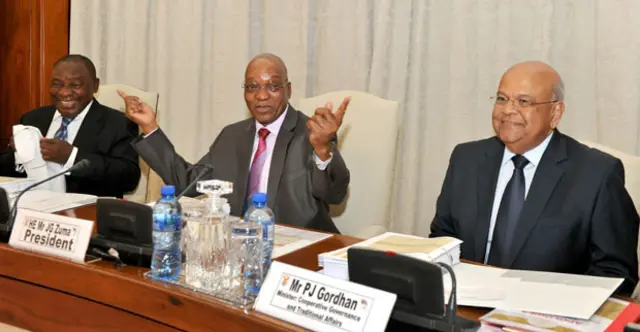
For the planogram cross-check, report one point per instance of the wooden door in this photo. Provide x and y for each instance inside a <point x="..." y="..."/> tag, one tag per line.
<point x="33" y="35"/>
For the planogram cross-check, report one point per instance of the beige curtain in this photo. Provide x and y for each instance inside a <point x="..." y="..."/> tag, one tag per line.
<point x="440" y="59"/>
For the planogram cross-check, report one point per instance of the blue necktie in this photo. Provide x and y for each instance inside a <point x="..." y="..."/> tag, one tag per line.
<point x="62" y="132"/>
<point x="508" y="214"/>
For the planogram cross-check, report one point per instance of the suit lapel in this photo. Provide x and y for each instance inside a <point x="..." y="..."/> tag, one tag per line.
<point x="488" y="171"/>
<point x="243" y="156"/>
<point x="545" y="180"/>
<point x="91" y="126"/>
<point x="279" y="155"/>
<point x="43" y="122"/>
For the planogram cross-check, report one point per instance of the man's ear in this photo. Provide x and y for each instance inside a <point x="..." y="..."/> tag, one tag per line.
<point x="556" y="114"/>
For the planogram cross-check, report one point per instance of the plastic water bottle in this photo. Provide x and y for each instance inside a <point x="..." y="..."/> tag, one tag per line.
<point x="260" y="213"/>
<point x="167" y="227"/>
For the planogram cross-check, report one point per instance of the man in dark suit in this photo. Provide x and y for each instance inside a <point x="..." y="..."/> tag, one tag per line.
<point x="77" y="127"/>
<point x="533" y="198"/>
<point x="279" y="151"/>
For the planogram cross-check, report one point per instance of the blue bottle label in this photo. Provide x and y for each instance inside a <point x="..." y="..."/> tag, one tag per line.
<point x="164" y="222"/>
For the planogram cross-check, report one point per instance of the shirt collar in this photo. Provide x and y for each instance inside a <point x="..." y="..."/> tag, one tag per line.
<point x="274" y="127"/>
<point x="80" y="115"/>
<point x="533" y="156"/>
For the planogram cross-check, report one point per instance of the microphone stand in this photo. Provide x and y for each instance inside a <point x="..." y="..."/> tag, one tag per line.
<point x="5" y="229"/>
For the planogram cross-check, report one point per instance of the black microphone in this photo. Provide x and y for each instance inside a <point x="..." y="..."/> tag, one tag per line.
<point x="5" y="229"/>
<point x="452" y="306"/>
<point x="206" y="170"/>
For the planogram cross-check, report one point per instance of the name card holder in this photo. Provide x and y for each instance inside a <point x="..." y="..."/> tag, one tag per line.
<point x="322" y="303"/>
<point x="51" y="234"/>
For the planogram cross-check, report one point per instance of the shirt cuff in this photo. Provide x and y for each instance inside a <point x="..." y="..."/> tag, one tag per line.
<point x="71" y="160"/>
<point x="149" y="134"/>
<point x="322" y="165"/>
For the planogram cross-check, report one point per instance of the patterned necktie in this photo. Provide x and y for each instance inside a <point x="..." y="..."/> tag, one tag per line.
<point x="258" y="162"/>
<point x="508" y="214"/>
<point x="62" y="132"/>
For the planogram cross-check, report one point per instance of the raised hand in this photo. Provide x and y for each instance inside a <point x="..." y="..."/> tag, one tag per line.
<point x="139" y="112"/>
<point x="323" y="126"/>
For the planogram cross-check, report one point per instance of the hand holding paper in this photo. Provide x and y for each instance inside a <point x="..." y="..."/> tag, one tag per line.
<point x="55" y="150"/>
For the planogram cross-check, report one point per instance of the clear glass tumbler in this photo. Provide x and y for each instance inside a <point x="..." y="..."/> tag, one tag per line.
<point x="245" y="262"/>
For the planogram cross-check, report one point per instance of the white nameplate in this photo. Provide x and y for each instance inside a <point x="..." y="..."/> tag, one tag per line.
<point x="51" y="234"/>
<point x="322" y="303"/>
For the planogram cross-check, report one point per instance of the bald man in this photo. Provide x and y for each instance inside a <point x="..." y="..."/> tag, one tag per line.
<point x="533" y="198"/>
<point x="279" y="151"/>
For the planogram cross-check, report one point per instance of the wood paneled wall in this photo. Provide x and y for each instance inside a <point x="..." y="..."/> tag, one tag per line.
<point x="33" y="35"/>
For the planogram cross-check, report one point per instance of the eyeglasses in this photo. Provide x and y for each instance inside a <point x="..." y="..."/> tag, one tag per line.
<point x="70" y="86"/>
<point x="272" y="87"/>
<point x="502" y="101"/>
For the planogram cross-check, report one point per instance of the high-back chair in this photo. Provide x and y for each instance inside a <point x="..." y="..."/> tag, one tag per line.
<point x="107" y="95"/>
<point x="367" y="141"/>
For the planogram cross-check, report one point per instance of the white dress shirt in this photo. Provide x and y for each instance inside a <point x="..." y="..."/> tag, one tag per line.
<point x="274" y="129"/>
<point x="72" y="131"/>
<point x="506" y="171"/>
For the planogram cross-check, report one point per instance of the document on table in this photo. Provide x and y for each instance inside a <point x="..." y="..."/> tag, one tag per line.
<point x="529" y="321"/>
<point x="288" y="239"/>
<point x="49" y="201"/>
<point x="15" y="185"/>
<point x="569" y="295"/>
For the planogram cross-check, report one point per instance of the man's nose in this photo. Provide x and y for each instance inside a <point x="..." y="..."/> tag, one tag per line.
<point x="64" y="91"/>
<point x="262" y="94"/>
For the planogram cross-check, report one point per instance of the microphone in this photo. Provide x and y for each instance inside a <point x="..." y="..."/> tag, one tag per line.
<point x="5" y="229"/>
<point x="206" y="170"/>
<point x="452" y="305"/>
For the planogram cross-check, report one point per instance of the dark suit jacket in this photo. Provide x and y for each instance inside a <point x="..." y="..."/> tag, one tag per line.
<point x="577" y="218"/>
<point x="104" y="139"/>
<point x="298" y="192"/>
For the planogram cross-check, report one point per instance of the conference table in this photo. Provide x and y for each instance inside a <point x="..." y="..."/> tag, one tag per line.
<point x="42" y="293"/>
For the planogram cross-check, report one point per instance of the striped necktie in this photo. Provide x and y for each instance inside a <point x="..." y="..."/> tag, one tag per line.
<point x="62" y="132"/>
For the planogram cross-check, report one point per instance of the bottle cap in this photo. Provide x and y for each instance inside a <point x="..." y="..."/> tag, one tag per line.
<point x="259" y="198"/>
<point x="168" y="190"/>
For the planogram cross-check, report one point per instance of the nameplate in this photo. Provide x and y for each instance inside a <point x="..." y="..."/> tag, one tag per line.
<point x="51" y="234"/>
<point x="322" y="303"/>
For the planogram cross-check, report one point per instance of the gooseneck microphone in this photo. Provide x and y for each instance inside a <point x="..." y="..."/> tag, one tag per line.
<point x="452" y="306"/>
<point x="207" y="169"/>
<point x="5" y="229"/>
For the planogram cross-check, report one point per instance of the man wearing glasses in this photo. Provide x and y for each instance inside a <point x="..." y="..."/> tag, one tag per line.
<point x="533" y="198"/>
<point x="279" y="151"/>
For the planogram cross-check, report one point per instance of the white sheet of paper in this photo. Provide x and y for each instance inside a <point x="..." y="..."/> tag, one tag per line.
<point x="288" y="239"/>
<point x="569" y="295"/>
<point x="49" y="201"/>
<point x="14" y="185"/>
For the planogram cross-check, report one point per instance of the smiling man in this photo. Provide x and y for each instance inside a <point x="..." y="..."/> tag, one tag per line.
<point x="77" y="127"/>
<point x="278" y="151"/>
<point x="533" y="198"/>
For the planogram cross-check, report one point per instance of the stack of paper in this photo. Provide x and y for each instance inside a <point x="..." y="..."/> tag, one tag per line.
<point x="49" y="201"/>
<point x="561" y="294"/>
<point x="442" y="249"/>
<point x="528" y="321"/>
<point x="14" y="185"/>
